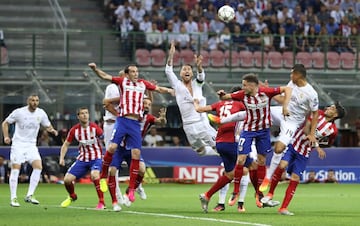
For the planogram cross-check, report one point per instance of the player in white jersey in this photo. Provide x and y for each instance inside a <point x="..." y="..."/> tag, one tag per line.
<point x="298" y="152"/>
<point x="304" y="101"/>
<point x="28" y="120"/>
<point x="111" y="112"/>
<point x="199" y="133"/>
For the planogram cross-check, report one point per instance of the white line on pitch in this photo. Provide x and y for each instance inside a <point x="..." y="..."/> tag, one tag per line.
<point x="175" y="216"/>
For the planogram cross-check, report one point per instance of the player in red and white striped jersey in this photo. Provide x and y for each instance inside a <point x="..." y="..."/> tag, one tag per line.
<point x="90" y="153"/>
<point x="124" y="154"/>
<point x="127" y="125"/>
<point x="256" y="124"/>
<point x="297" y="153"/>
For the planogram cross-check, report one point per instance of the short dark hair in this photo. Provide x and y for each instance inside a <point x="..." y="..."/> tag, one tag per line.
<point x="299" y="68"/>
<point x="81" y="108"/>
<point x="126" y="70"/>
<point x="341" y="112"/>
<point x="251" y="78"/>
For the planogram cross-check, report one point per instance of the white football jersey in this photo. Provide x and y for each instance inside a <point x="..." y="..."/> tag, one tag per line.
<point x="111" y="91"/>
<point x="303" y="100"/>
<point x="184" y="99"/>
<point x="27" y="124"/>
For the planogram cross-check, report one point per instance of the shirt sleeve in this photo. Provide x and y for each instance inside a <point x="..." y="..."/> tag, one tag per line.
<point x="200" y="78"/>
<point x="12" y="117"/>
<point x="238" y="95"/>
<point x="117" y="80"/>
<point x="149" y="85"/>
<point x="173" y="80"/>
<point x="71" y="135"/>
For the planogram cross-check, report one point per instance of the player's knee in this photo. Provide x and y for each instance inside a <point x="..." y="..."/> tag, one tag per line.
<point x="112" y="171"/>
<point x="135" y="153"/>
<point x="279" y="147"/>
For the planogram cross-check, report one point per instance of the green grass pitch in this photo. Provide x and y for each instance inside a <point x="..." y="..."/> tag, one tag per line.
<point x="178" y="204"/>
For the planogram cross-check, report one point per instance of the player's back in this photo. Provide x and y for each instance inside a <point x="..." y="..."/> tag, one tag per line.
<point x="303" y="100"/>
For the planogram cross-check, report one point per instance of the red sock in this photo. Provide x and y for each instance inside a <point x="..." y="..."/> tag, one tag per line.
<point x="138" y="181"/>
<point x="261" y="172"/>
<point x="112" y="188"/>
<point x="134" y="172"/>
<point x="100" y="194"/>
<point x="70" y="189"/>
<point x="237" y="177"/>
<point x="275" y="179"/>
<point x="290" y="192"/>
<point x="221" y="182"/>
<point x="105" y="164"/>
<point x="254" y="179"/>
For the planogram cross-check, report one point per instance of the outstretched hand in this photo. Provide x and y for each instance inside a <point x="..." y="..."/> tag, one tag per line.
<point x="172" y="48"/>
<point x="198" y="60"/>
<point x="92" y="66"/>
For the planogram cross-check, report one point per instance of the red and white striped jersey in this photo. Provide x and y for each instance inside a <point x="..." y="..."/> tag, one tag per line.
<point x="89" y="144"/>
<point x="147" y="121"/>
<point x="257" y="107"/>
<point x="326" y="133"/>
<point x="132" y="95"/>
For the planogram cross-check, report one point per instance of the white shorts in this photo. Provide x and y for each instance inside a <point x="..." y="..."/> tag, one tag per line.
<point x="287" y="131"/>
<point x="24" y="152"/>
<point x="108" y="129"/>
<point x="276" y="115"/>
<point x="200" y="134"/>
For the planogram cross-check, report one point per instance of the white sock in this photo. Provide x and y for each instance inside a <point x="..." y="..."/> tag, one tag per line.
<point x="13" y="182"/>
<point x="244" y="183"/>
<point x="222" y="193"/>
<point x="118" y="191"/>
<point x="34" y="181"/>
<point x="275" y="160"/>
<point x="210" y="151"/>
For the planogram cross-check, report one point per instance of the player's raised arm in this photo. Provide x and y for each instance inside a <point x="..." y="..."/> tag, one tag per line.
<point x="200" y="71"/>
<point x="223" y="95"/>
<point x="171" y="53"/>
<point x="101" y="74"/>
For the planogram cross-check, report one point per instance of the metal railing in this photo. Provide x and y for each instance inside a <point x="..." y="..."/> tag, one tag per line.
<point x="60" y="20"/>
<point x="81" y="47"/>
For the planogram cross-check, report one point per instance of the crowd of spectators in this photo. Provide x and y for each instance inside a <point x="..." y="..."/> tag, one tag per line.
<point x="279" y="25"/>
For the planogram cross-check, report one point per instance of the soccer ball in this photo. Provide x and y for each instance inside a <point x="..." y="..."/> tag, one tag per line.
<point x="226" y="13"/>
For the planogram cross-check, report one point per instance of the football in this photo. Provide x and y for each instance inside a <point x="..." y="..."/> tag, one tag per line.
<point x="226" y="13"/>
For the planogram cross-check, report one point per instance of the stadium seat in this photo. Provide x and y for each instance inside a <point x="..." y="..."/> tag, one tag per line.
<point x="260" y="59"/>
<point x="217" y="58"/>
<point x="157" y="57"/>
<point x="304" y="58"/>
<point x="235" y="59"/>
<point x="275" y="60"/>
<point x="142" y="57"/>
<point x="176" y="59"/>
<point x="288" y="59"/>
<point x="187" y="56"/>
<point x="333" y="60"/>
<point x="246" y="59"/>
<point x="318" y="60"/>
<point x="347" y="61"/>
<point x="206" y="58"/>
